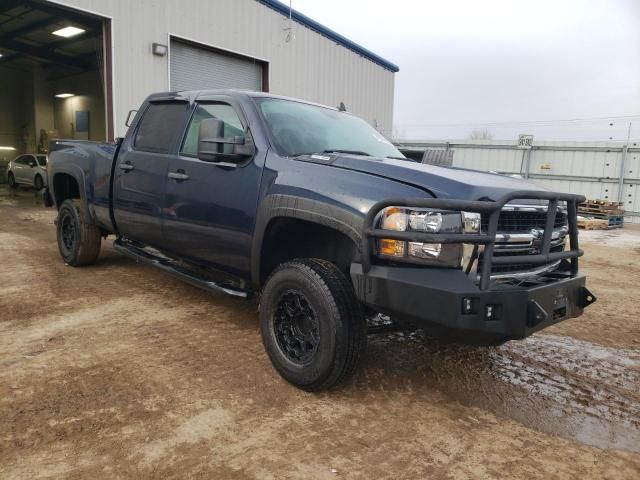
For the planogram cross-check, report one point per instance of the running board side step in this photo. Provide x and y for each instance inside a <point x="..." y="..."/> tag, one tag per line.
<point x="140" y="255"/>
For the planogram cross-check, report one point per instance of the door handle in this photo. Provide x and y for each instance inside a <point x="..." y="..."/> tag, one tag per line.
<point x="179" y="176"/>
<point x="127" y="167"/>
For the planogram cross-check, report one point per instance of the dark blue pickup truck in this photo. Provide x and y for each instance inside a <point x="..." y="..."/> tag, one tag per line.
<point x="319" y="215"/>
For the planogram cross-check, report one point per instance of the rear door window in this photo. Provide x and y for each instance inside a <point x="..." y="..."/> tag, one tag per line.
<point x="160" y="126"/>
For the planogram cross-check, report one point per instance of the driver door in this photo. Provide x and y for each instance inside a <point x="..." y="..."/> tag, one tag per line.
<point x="211" y="205"/>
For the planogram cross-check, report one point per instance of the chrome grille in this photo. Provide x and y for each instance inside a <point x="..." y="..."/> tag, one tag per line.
<point x="520" y="232"/>
<point x="523" y="221"/>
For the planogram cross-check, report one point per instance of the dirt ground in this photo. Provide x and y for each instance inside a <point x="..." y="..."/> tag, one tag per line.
<point x="120" y="371"/>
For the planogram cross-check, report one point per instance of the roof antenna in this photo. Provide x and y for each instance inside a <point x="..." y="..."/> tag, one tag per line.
<point x="341" y="107"/>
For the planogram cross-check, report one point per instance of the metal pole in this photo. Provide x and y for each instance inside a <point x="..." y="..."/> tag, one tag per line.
<point x="527" y="163"/>
<point x="623" y="166"/>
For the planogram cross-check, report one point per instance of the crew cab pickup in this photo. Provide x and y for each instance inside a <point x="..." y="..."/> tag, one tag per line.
<point x="316" y="214"/>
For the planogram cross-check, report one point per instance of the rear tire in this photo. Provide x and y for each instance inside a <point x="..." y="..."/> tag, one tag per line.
<point x="78" y="239"/>
<point x="313" y="328"/>
<point x="12" y="182"/>
<point x="38" y="183"/>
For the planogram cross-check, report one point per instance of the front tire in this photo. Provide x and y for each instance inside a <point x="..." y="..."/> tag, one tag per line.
<point x="313" y="328"/>
<point x="12" y="182"/>
<point x="78" y="239"/>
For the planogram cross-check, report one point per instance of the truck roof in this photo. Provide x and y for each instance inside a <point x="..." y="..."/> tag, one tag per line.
<point x="193" y="95"/>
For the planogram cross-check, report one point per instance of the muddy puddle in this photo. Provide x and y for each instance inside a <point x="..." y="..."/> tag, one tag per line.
<point x="559" y="385"/>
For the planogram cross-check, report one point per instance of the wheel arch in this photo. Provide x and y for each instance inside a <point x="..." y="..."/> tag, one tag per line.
<point x="291" y="227"/>
<point x="70" y="183"/>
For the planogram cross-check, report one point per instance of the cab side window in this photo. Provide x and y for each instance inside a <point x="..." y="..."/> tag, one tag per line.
<point x="159" y="126"/>
<point x="223" y="111"/>
<point x="25" y="160"/>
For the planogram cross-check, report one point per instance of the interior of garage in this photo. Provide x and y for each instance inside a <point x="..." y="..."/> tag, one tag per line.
<point x="52" y="76"/>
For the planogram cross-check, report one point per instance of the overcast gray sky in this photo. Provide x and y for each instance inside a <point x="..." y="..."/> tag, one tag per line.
<point x="509" y="66"/>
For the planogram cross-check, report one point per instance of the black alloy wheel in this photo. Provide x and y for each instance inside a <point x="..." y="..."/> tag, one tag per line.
<point x="78" y="238"/>
<point x="296" y="327"/>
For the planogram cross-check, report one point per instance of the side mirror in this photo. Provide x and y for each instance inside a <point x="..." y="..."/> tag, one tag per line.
<point x="130" y="116"/>
<point x="32" y="164"/>
<point x="211" y="143"/>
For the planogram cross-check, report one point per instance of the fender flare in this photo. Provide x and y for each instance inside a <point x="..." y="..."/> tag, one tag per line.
<point x="78" y="175"/>
<point x="276" y="206"/>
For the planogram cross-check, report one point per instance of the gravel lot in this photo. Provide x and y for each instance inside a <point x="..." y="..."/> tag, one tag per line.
<point x="117" y="370"/>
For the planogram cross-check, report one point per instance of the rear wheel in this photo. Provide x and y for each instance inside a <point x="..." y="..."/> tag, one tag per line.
<point x="312" y="325"/>
<point x="12" y="182"/>
<point x="78" y="239"/>
<point x="38" y="183"/>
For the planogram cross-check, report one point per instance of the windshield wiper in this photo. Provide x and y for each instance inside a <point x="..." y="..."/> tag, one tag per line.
<point x="352" y="152"/>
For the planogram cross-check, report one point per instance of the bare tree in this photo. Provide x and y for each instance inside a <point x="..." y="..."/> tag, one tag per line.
<point x="481" y="134"/>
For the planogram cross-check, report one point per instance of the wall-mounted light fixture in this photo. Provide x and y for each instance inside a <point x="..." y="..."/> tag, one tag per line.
<point x="68" y="32"/>
<point x="159" y="49"/>
<point x="65" y="95"/>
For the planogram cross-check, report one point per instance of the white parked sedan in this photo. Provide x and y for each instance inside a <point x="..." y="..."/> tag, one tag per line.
<point x="28" y="169"/>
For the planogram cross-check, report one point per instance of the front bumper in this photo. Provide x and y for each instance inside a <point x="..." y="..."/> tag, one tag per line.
<point x="432" y="298"/>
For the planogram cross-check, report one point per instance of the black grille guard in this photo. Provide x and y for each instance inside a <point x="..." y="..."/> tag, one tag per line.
<point x="370" y="232"/>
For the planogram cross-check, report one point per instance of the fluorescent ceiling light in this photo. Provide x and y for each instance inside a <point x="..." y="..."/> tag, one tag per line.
<point x="0" y="55"/>
<point x="65" y="95"/>
<point x="68" y="32"/>
<point x="7" y="148"/>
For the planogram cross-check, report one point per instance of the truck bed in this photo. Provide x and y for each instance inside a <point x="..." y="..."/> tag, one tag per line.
<point x="93" y="161"/>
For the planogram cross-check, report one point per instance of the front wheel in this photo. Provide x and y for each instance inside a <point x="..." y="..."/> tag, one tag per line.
<point x="78" y="239"/>
<point x="12" y="182"/>
<point x="312" y="325"/>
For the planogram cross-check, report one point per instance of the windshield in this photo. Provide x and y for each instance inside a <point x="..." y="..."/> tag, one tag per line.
<point x="298" y="128"/>
<point x="42" y="160"/>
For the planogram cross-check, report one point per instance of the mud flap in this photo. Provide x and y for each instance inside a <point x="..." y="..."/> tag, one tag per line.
<point x="47" y="201"/>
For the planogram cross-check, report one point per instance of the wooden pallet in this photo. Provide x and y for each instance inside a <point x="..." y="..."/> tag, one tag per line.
<point x="595" y="212"/>
<point x="593" y="224"/>
<point x="600" y="207"/>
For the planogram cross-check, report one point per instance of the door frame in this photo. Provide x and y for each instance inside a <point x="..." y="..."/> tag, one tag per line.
<point x="109" y="64"/>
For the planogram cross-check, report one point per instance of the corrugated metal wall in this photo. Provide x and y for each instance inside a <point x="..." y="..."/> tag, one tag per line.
<point x="589" y="168"/>
<point x="309" y="66"/>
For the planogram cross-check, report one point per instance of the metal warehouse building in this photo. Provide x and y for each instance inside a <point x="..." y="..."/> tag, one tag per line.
<point x="75" y="68"/>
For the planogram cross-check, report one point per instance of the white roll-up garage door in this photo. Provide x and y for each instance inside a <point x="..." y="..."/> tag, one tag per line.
<point x="198" y="68"/>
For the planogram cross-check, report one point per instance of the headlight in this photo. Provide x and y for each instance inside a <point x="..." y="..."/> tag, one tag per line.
<point x="428" y="221"/>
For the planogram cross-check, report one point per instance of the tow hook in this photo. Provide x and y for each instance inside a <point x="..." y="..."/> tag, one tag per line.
<point x="586" y="298"/>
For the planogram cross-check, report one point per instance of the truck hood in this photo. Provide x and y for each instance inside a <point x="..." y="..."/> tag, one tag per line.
<point x="442" y="182"/>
